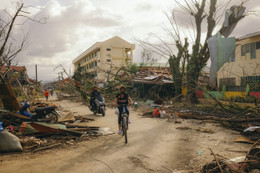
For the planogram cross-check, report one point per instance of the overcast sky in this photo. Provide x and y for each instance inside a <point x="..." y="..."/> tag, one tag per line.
<point x="74" y="25"/>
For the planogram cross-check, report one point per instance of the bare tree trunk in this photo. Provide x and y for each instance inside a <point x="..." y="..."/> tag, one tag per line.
<point x="176" y="69"/>
<point x="200" y="55"/>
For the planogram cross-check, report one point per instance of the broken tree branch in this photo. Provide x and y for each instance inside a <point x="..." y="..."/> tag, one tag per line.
<point x="220" y="168"/>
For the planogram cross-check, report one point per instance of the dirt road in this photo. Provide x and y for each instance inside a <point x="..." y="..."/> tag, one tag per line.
<point x="155" y="145"/>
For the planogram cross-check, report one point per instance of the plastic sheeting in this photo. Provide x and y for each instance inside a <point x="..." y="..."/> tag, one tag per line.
<point x="220" y="50"/>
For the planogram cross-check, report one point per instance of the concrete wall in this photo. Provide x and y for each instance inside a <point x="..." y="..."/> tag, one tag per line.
<point x="243" y="65"/>
<point x="228" y="94"/>
<point x="114" y="52"/>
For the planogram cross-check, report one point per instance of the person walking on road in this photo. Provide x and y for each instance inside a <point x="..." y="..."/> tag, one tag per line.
<point x="46" y="93"/>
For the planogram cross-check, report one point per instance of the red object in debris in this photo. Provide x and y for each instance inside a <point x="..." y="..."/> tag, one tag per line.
<point x="255" y="94"/>
<point x="156" y="112"/>
<point x="10" y="128"/>
<point x="199" y="94"/>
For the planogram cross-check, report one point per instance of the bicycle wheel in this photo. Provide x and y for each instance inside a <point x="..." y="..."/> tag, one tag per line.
<point x="125" y="128"/>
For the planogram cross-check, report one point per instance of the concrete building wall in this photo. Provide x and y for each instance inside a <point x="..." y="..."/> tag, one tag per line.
<point x="246" y="64"/>
<point x="106" y="56"/>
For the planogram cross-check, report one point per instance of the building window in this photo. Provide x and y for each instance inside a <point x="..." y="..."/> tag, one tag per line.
<point x="95" y="54"/>
<point x="229" y="82"/>
<point x="252" y="50"/>
<point x="92" y="55"/>
<point x="243" y="50"/>
<point x="108" y="60"/>
<point x="247" y="48"/>
<point x="257" y="45"/>
<point x="253" y="81"/>
<point x="108" y="49"/>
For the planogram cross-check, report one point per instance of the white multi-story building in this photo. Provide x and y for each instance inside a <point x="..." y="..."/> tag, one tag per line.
<point x="104" y="58"/>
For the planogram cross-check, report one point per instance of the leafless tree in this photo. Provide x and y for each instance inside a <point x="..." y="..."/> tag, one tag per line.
<point x="9" y="48"/>
<point x="147" y="56"/>
<point x="192" y="49"/>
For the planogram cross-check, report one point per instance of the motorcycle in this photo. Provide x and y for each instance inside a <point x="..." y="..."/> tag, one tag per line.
<point x="46" y="114"/>
<point x="100" y="105"/>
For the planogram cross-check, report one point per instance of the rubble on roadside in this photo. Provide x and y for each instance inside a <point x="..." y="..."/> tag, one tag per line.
<point x="37" y="136"/>
<point x="248" y="163"/>
<point x="247" y="124"/>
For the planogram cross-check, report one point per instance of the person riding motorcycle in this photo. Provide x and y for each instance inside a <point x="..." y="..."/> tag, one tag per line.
<point x="93" y="96"/>
<point x="122" y="98"/>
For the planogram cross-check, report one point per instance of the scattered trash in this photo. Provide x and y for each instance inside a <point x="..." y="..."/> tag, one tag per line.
<point x="30" y="141"/>
<point x="252" y="129"/>
<point x="162" y="114"/>
<point x="210" y="131"/>
<point x="200" y="152"/>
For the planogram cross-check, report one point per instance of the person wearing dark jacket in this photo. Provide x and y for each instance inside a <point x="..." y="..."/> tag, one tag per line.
<point x="93" y="96"/>
<point x="122" y="98"/>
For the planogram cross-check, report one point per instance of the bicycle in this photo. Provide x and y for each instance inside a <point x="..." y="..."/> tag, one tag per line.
<point x="124" y="122"/>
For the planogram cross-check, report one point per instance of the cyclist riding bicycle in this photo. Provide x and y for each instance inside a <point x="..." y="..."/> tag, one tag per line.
<point x="122" y="99"/>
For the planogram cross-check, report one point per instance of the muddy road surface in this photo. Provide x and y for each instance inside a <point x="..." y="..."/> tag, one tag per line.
<point x="154" y="145"/>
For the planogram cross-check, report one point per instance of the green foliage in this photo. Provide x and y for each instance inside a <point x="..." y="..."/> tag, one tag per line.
<point x="134" y="69"/>
<point x="81" y="76"/>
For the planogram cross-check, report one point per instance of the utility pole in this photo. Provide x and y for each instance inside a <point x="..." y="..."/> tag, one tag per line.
<point x="36" y="75"/>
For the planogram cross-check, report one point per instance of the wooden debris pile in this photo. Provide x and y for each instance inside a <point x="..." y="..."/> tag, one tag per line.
<point x="249" y="163"/>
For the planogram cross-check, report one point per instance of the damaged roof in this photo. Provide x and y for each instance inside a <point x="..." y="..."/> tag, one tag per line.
<point x="154" y="75"/>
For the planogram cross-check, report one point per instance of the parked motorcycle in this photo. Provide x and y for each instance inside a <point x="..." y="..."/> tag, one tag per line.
<point x="46" y="114"/>
<point x="100" y="105"/>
